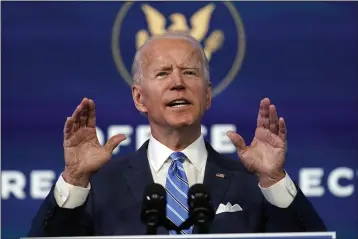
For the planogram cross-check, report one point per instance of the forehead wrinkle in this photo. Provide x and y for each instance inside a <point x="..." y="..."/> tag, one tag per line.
<point x="160" y="63"/>
<point x="194" y="59"/>
<point x="190" y="58"/>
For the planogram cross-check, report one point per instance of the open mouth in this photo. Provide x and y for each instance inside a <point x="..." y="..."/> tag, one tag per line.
<point x="179" y="103"/>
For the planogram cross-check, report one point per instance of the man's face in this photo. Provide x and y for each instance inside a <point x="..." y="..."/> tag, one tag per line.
<point x="173" y="92"/>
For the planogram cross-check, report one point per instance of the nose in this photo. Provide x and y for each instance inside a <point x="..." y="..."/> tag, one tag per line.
<point x="178" y="81"/>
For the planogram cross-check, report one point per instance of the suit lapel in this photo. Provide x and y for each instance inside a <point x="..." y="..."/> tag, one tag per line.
<point x="138" y="176"/>
<point x="137" y="173"/>
<point x="217" y="178"/>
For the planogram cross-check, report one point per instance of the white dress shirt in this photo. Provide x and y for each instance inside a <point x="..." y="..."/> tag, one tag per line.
<point x="280" y="194"/>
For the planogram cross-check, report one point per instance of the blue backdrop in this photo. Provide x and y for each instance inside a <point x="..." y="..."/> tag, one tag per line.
<point x="303" y="55"/>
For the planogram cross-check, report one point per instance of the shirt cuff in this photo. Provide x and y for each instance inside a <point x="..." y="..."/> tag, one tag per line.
<point x="70" y="196"/>
<point x="282" y="193"/>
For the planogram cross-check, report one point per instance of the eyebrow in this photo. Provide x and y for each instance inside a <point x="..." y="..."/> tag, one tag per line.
<point x="170" y="67"/>
<point x="189" y="68"/>
<point x="163" y="68"/>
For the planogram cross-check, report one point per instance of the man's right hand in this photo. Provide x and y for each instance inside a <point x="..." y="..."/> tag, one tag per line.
<point x="83" y="153"/>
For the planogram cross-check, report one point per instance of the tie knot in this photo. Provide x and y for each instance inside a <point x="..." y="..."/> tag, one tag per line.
<point x="178" y="156"/>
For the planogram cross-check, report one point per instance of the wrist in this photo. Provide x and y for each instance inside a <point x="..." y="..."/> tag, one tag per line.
<point x="75" y="179"/>
<point x="267" y="180"/>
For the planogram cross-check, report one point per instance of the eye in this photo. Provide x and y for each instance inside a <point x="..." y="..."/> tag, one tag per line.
<point x="190" y="73"/>
<point x="161" y="74"/>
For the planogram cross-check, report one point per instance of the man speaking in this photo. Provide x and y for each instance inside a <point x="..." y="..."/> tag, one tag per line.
<point x="98" y="196"/>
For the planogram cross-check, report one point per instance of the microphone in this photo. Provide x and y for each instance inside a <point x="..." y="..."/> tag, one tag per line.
<point x="153" y="212"/>
<point x="201" y="211"/>
<point x="153" y="207"/>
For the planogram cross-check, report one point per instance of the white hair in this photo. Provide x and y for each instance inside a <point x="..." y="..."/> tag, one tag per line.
<point x="137" y="68"/>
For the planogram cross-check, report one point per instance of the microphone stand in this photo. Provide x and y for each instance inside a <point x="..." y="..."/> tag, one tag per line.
<point x="154" y="221"/>
<point x="200" y="221"/>
<point x="186" y="224"/>
<point x="152" y="224"/>
<point x="151" y="230"/>
<point x="203" y="228"/>
<point x="169" y="225"/>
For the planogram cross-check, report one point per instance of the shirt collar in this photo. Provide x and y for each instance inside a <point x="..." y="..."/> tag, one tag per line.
<point x="158" y="153"/>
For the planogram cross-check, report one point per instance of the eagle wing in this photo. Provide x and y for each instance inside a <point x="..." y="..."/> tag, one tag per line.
<point x="200" y="21"/>
<point x="156" y="20"/>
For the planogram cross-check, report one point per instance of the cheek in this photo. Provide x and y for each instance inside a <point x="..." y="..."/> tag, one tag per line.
<point x="153" y="98"/>
<point x="202" y="95"/>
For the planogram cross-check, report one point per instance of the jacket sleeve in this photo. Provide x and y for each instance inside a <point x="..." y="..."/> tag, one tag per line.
<point x="299" y="216"/>
<point x="52" y="220"/>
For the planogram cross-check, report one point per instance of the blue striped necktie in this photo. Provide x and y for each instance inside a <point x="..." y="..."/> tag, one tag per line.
<point x="177" y="188"/>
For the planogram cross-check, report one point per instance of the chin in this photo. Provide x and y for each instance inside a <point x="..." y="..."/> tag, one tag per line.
<point x="181" y="121"/>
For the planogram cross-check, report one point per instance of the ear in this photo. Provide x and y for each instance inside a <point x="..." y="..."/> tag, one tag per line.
<point x="138" y="98"/>
<point x="208" y="96"/>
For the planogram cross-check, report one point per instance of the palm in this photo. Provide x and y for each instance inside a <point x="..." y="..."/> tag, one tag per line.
<point x="83" y="153"/>
<point x="266" y="153"/>
<point x="83" y="150"/>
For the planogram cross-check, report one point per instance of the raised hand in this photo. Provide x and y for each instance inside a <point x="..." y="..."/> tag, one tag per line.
<point x="83" y="153"/>
<point x="266" y="154"/>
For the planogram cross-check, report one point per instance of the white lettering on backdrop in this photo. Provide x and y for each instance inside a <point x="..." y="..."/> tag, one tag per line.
<point x="314" y="182"/>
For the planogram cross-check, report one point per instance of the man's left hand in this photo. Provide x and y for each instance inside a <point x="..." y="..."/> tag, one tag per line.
<point x="266" y="154"/>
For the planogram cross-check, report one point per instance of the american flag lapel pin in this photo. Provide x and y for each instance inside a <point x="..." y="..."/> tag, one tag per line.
<point x="220" y="175"/>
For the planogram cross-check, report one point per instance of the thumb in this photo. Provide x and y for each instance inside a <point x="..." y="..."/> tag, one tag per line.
<point x="238" y="141"/>
<point x="113" y="142"/>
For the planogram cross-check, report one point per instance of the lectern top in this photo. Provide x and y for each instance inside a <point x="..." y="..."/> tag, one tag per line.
<point x="291" y="235"/>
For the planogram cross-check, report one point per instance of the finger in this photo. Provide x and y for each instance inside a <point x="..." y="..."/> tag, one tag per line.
<point x="238" y="141"/>
<point x="273" y="119"/>
<point x="259" y="121"/>
<point x="282" y="133"/>
<point x="263" y="118"/>
<point x="80" y="114"/>
<point x="113" y="142"/>
<point x="83" y="118"/>
<point x="76" y="118"/>
<point x="91" y="120"/>
<point x="68" y="128"/>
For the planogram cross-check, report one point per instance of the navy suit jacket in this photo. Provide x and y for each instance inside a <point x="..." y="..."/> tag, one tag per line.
<point x="114" y="203"/>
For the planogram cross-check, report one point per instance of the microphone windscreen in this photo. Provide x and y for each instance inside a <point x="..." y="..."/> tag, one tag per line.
<point x="155" y="191"/>
<point x="154" y="204"/>
<point x="200" y="205"/>
<point x="198" y="191"/>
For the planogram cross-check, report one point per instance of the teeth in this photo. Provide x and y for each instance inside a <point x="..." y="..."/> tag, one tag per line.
<point x="179" y="102"/>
